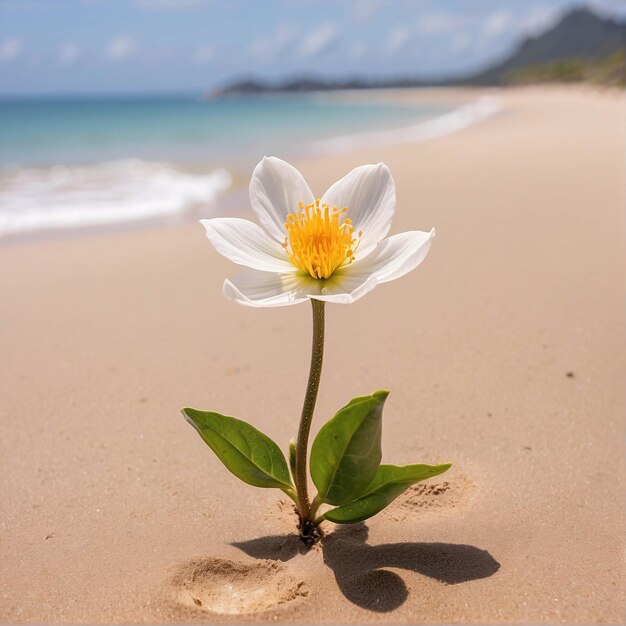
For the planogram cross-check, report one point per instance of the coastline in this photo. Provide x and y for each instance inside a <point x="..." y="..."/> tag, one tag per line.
<point x="112" y="503"/>
<point x="202" y="188"/>
<point x="462" y="117"/>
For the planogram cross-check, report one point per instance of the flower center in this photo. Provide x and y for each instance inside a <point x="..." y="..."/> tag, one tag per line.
<point x="319" y="239"/>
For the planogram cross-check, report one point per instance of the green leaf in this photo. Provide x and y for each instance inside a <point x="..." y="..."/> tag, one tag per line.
<point x="346" y="452"/>
<point x="245" y="451"/>
<point x="389" y="482"/>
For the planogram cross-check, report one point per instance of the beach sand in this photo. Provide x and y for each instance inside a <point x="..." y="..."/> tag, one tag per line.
<point x="505" y="353"/>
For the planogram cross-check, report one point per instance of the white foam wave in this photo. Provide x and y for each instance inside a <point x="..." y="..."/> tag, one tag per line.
<point x="446" y="124"/>
<point x="113" y="192"/>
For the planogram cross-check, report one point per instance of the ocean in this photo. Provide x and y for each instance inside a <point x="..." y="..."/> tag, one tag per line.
<point x="67" y="163"/>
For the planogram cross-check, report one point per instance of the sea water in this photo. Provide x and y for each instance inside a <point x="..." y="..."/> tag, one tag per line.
<point x="86" y="162"/>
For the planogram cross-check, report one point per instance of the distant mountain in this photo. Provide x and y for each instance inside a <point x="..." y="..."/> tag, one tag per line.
<point x="579" y="35"/>
<point x="581" y="46"/>
<point x="307" y="84"/>
<point x="293" y="85"/>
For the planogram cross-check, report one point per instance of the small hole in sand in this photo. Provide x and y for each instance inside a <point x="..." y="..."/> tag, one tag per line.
<point x="232" y="588"/>
<point x="433" y="497"/>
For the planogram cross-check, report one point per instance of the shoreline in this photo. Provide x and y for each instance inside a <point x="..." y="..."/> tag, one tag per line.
<point x="459" y="119"/>
<point x="464" y="115"/>
<point x="504" y="351"/>
<point x="472" y="106"/>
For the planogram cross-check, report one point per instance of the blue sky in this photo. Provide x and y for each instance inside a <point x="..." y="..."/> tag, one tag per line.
<point x="129" y="46"/>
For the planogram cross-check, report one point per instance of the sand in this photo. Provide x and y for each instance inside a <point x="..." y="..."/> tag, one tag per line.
<point x="505" y="353"/>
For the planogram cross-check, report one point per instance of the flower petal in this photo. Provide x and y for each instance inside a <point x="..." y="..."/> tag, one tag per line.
<point x="246" y="243"/>
<point x="393" y="257"/>
<point x="276" y="189"/>
<point x="264" y="289"/>
<point x="259" y="289"/>
<point x="369" y="193"/>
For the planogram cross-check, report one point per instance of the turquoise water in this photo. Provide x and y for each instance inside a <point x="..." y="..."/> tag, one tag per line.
<point x="76" y="163"/>
<point x="183" y="129"/>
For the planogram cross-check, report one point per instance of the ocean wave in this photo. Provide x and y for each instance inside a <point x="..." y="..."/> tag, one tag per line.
<point x="446" y="124"/>
<point x="112" y="192"/>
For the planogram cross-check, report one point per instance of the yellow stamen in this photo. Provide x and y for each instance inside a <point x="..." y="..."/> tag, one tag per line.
<point x="319" y="240"/>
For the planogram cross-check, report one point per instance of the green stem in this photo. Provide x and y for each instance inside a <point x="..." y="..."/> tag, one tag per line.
<point x="315" y="504"/>
<point x="315" y="372"/>
<point x="292" y="495"/>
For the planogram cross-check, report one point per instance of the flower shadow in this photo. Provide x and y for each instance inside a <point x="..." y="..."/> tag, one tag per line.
<point x="360" y="569"/>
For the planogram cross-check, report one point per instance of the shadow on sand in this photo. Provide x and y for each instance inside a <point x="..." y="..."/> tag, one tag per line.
<point x="359" y="567"/>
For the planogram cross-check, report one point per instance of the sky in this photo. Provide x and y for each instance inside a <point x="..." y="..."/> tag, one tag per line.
<point x="139" y="46"/>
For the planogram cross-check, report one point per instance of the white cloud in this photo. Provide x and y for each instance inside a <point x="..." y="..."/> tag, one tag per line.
<point x="497" y="24"/>
<point x="439" y="23"/>
<point x="364" y="10"/>
<point x="319" y="39"/>
<point x="608" y="8"/>
<point x="538" y="19"/>
<point x="121" y="47"/>
<point x="205" y="54"/>
<point x="69" y="53"/>
<point x="397" y="39"/>
<point x="268" y="48"/>
<point x="10" y="49"/>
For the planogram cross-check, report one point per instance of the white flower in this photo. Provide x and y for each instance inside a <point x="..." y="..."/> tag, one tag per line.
<point x="333" y="249"/>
